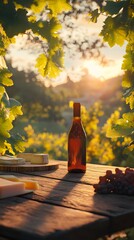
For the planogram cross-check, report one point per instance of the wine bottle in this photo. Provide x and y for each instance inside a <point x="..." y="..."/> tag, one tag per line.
<point x="77" y="143"/>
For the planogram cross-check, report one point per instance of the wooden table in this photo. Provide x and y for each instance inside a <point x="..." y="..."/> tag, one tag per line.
<point x="65" y="208"/>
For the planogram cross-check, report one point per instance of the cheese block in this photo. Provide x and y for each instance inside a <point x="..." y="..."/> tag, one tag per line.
<point x="35" y="158"/>
<point x="10" y="189"/>
<point x="29" y="184"/>
<point x="11" y="160"/>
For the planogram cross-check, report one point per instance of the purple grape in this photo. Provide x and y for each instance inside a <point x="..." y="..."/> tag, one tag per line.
<point x="118" y="182"/>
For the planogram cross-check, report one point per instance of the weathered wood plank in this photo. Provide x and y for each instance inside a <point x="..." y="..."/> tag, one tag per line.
<point x="82" y="197"/>
<point x="90" y="177"/>
<point x="24" y="219"/>
<point x="75" y="191"/>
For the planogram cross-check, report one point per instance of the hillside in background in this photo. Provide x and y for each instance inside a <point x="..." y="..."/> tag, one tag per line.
<point x="89" y="89"/>
<point x="47" y="108"/>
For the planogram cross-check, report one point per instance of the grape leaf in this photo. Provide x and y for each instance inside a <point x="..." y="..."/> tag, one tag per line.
<point x="16" y="17"/>
<point x="128" y="92"/>
<point x="128" y="62"/>
<point x="4" y="41"/>
<point x="58" y="6"/>
<point x="54" y="45"/>
<point x="38" y="6"/>
<point x="130" y="100"/>
<point x="5" y="75"/>
<point x="113" y="7"/>
<point x="2" y="90"/>
<point x="129" y="117"/>
<point x="17" y="142"/>
<point x="24" y="3"/>
<point x="112" y="33"/>
<point x="123" y="126"/>
<point x="47" y="67"/>
<point x="127" y="80"/>
<point x="47" y="29"/>
<point x="5" y="100"/>
<point x="58" y="58"/>
<point x="94" y="15"/>
<point x="8" y="147"/>
<point x="6" y="127"/>
<point x="2" y="63"/>
<point x="119" y="131"/>
<point x="52" y="70"/>
<point x="2" y="147"/>
<point x="13" y="102"/>
<point x="15" y="111"/>
<point x="41" y="63"/>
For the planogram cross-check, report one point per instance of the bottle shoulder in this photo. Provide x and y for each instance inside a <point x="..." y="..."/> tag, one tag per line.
<point x="77" y="129"/>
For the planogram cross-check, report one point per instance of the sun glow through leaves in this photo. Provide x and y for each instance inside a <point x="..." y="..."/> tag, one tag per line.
<point x="102" y="72"/>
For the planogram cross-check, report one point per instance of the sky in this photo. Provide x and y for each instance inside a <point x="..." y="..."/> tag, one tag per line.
<point x="23" y="57"/>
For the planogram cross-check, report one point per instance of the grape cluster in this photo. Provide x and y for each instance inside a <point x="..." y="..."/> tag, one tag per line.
<point x="118" y="182"/>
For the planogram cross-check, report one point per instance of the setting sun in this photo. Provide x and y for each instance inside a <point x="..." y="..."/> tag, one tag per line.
<point x="103" y="72"/>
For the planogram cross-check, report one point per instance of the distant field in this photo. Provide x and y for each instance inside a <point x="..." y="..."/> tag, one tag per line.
<point x="40" y="126"/>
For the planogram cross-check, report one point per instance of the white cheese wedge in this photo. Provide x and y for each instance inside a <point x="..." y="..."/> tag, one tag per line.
<point x="9" y="189"/>
<point x="29" y="184"/>
<point x="11" y="161"/>
<point x="35" y="158"/>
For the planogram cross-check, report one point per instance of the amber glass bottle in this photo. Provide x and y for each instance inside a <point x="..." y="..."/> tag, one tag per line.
<point x="76" y="143"/>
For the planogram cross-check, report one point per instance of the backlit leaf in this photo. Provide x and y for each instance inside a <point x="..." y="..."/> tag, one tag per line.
<point x="15" y="111"/>
<point x="9" y="148"/>
<point x="38" y="6"/>
<point x="58" y="58"/>
<point x="128" y="79"/>
<point x="94" y="15"/>
<point x="52" y="69"/>
<point x="2" y="90"/>
<point x="130" y="100"/>
<point x="5" y="75"/>
<point x="6" y="127"/>
<point x="47" y="29"/>
<point x="123" y="126"/>
<point x="4" y="41"/>
<point x="112" y="33"/>
<point x="13" y="102"/>
<point x="128" y="62"/>
<point x="41" y="62"/>
<point x="58" y="6"/>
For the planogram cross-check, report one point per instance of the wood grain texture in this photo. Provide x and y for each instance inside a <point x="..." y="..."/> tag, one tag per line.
<point x="27" y="167"/>
<point x="90" y="177"/>
<point x="60" y="192"/>
<point x="26" y="219"/>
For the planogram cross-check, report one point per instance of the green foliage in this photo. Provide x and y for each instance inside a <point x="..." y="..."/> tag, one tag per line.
<point x="41" y="18"/>
<point x="112" y="32"/>
<point x="5" y="77"/>
<point x="17" y="17"/>
<point x="100" y="149"/>
<point x="119" y="27"/>
<point x="53" y="144"/>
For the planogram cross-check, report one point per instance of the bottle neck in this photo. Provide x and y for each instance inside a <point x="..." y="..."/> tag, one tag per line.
<point x="77" y="120"/>
<point x="76" y="111"/>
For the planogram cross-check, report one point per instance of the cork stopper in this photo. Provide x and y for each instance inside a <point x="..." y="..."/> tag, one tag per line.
<point x="76" y="109"/>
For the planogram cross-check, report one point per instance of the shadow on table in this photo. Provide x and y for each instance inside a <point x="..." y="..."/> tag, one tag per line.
<point x="46" y="204"/>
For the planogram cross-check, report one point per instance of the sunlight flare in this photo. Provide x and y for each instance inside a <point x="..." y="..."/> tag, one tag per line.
<point x="103" y="72"/>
